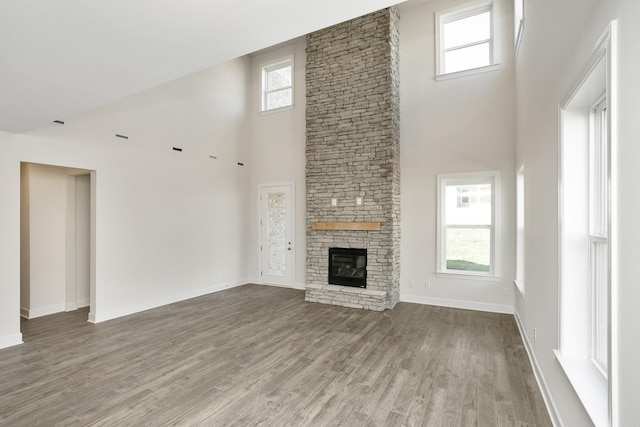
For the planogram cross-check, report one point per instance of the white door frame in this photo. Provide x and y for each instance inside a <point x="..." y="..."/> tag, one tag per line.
<point x="292" y="256"/>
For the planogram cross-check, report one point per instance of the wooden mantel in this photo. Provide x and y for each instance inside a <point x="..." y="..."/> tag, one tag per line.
<point x="350" y="226"/>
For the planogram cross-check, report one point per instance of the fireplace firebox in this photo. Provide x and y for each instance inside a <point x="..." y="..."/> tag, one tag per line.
<point x="348" y="267"/>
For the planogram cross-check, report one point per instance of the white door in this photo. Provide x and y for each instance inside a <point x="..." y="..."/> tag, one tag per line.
<point x="276" y="235"/>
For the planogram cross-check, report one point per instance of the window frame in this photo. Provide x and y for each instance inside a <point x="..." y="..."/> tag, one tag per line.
<point x="599" y="176"/>
<point x="519" y="281"/>
<point x="575" y="351"/>
<point x="265" y="69"/>
<point x="454" y="14"/>
<point x="470" y="178"/>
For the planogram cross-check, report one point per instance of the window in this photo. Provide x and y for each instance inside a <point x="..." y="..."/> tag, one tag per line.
<point x="520" y="229"/>
<point x="467" y="224"/>
<point x="464" y="39"/>
<point x="587" y="218"/>
<point x="277" y="84"/>
<point x="598" y="235"/>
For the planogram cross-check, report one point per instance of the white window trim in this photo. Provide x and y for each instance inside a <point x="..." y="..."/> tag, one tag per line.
<point x="465" y="73"/>
<point x="597" y="395"/>
<point x="263" y="93"/>
<point x="469" y="178"/>
<point x="453" y="14"/>
<point x="520" y="223"/>
<point x="518" y="15"/>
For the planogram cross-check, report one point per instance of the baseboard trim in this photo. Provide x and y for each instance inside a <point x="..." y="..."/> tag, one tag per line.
<point x="537" y="373"/>
<point x="32" y="313"/>
<point x="10" y="340"/>
<point x="455" y="303"/>
<point x="81" y="303"/>
<point x="137" y="308"/>
<point x="299" y="286"/>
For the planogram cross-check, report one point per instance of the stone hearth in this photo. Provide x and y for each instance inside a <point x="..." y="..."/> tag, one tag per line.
<point x="353" y="150"/>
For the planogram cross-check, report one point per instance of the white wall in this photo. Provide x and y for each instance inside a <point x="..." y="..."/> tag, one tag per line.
<point x="558" y="41"/>
<point x="82" y="239"/>
<point x="168" y="225"/>
<point x="627" y="317"/>
<point x="25" y="250"/>
<point x="46" y="224"/>
<point x="278" y="151"/>
<point x="9" y="242"/>
<point x="458" y="125"/>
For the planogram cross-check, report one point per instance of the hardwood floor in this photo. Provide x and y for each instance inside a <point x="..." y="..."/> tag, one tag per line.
<point x="258" y="355"/>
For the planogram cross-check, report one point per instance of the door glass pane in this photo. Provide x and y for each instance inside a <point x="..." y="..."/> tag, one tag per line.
<point x="469" y="249"/>
<point x="276" y="234"/>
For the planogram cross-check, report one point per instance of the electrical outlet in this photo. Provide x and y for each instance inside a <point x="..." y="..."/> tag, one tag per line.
<point x="535" y="334"/>
<point x="506" y="291"/>
<point x="427" y="284"/>
<point x="412" y="283"/>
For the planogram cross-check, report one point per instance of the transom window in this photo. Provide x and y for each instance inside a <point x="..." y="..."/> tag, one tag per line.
<point x="467" y="223"/>
<point x="277" y="84"/>
<point x="464" y="38"/>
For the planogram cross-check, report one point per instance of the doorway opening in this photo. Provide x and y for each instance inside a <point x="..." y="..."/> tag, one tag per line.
<point x="57" y="240"/>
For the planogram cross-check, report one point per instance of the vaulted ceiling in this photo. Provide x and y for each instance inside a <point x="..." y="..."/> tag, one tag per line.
<point x="62" y="57"/>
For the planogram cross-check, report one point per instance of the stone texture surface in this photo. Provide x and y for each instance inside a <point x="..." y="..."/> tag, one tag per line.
<point x="346" y="296"/>
<point x="353" y="149"/>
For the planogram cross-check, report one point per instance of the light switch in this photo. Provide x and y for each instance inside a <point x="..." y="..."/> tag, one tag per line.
<point x="358" y="201"/>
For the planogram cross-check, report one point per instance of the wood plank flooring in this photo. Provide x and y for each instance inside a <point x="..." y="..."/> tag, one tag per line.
<point x="258" y="355"/>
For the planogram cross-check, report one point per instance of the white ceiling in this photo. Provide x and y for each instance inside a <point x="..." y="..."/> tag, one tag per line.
<point x="62" y="57"/>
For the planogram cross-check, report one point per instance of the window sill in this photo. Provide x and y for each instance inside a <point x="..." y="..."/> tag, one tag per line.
<point x="277" y="110"/>
<point x="468" y="276"/>
<point x="589" y="385"/>
<point x="465" y="73"/>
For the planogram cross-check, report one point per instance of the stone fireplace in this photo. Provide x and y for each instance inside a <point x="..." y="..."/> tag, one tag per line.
<point x="352" y="157"/>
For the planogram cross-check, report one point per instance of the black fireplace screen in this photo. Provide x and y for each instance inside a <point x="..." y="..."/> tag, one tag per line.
<point x="348" y="267"/>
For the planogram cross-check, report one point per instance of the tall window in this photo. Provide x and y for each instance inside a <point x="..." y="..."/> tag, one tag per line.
<point x="277" y="84"/>
<point x="467" y="223"/>
<point x="520" y="233"/>
<point x="598" y="235"/>
<point x="587" y="275"/>
<point x="464" y="38"/>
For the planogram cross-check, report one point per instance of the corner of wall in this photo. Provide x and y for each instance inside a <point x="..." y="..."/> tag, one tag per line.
<point x="537" y="371"/>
